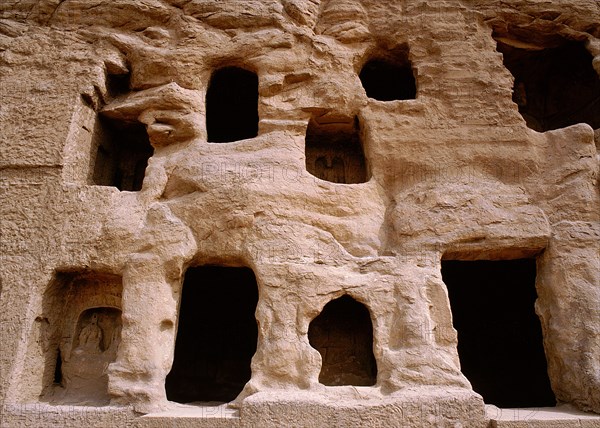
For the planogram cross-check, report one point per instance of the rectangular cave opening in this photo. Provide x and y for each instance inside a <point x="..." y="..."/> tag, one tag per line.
<point x="120" y="149"/>
<point x="555" y="84"/>
<point x="216" y="335"/>
<point x="81" y="329"/>
<point x="334" y="151"/>
<point x="122" y="153"/>
<point x="232" y="105"/>
<point x="500" y="343"/>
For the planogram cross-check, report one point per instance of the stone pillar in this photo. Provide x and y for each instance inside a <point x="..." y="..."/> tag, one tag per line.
<point x="147" y="340"/>
<point x="569" y="309"/>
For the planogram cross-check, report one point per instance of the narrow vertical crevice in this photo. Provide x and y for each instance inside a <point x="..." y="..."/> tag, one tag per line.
<point x="58" y="369"/>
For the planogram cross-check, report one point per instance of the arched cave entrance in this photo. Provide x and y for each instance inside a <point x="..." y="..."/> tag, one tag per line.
<point x="216" y="335"/>
<point x="343" y="335"/>
<point x="499" y="335"/>
<point x="232" y="105"/>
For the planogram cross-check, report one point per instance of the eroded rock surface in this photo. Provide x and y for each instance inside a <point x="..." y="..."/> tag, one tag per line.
<point x="112" y="189"/>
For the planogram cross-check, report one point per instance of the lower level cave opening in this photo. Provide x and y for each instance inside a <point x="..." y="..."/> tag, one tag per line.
<point x="500" y="343"/>
<point x="334" y="151"/>
<point x="80" y="329"/>
<point x="343" y="335"/>
<point x="216" y="335"/>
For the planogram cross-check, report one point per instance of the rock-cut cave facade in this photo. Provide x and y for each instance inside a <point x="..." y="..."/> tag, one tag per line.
<point x="300" y="213"/>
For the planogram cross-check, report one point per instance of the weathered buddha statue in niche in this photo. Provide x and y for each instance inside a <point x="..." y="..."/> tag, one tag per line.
<point x="329" y="169"/>
<point x="95" y="344"/>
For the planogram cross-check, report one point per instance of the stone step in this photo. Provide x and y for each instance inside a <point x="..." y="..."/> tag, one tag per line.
<point x="197" y="415"/>
<point x="541" y="417"/>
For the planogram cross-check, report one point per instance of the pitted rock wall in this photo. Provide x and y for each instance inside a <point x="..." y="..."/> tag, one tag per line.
<point x="454" y="173"/>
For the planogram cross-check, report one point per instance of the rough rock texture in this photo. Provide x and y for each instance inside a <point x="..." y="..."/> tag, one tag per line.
<point x="453" y="173"/>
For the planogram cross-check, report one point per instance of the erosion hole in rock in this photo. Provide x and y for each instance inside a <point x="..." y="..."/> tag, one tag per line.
<point x="232" y="105"/>
<point x="384" y="80"/>
<point x="500" y="342"/>
<point x="343" y="335"/>
<point x="216" y="335"/>
<point x="555" y="86"/>
<point x="122" y="154"/>
<point x="334" y="151"/>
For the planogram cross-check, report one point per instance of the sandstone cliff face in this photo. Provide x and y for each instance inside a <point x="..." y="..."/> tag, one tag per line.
<point x="455" y="173"/>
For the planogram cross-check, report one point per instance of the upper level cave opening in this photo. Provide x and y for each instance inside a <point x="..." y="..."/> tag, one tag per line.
<point x="120" y="149"/>
<point x="343" y="335"/>
<point x="500" y="343"/>
<point x="232" y="105"/>
<point x="555" y="86"/>
<point x="389" y="76"/>
<point x="117" y="84"/>
<point x="334" y="150"/>
<point x="217" y="335"/>
<point x="123" y="151"/>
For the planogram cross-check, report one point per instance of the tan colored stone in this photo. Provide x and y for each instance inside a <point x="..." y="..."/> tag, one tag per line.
<point x="454" y="173"/>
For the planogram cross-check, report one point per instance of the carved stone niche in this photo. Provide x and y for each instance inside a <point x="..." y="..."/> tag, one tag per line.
<point x="388" y="75"/>
<point x="103" y="150"/>
<point x="334" y="151"/>
<point x="83" y="310"/>
<point x="555" y="82"/>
